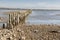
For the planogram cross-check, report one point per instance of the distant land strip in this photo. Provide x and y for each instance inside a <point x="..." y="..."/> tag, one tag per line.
<point x="31" y="9"/>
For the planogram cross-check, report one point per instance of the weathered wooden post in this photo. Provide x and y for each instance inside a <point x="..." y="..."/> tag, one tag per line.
<point x="9" y="24"/>
<point x="17" y="17"/>
<point x="13" y="19"/>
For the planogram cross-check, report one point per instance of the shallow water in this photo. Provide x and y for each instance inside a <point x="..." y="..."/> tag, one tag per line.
<point x="44" y="17"/>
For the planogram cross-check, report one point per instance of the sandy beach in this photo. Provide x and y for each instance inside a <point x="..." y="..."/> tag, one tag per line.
<point x="31" y="32"/>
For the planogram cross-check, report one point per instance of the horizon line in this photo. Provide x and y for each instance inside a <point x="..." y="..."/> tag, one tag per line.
<point x="6" y="8"/>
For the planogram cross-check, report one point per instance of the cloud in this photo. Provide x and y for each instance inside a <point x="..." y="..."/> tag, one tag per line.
<point x="31" y="5"/>
<point x="40" y="5"/>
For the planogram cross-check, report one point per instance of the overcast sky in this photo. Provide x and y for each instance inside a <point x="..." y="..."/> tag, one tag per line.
<point x="55" y="4"/>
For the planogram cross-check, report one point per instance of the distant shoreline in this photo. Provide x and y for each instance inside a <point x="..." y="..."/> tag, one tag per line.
<point x="31" y="9"/>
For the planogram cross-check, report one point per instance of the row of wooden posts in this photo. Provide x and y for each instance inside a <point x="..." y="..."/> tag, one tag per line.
<point x="12" y="21"/>
<point x="15" y="19"/>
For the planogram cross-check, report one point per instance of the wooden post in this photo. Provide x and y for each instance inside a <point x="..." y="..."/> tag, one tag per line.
<point x="10" y="22"/>
<point x="18" y="18"/>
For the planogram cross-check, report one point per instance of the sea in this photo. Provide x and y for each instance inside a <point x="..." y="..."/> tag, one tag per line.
<point x="39" y="17"/>
<point x="44" y="17"/>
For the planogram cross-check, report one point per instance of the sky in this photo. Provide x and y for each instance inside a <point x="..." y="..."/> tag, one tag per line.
<point x="37" y="4"/>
